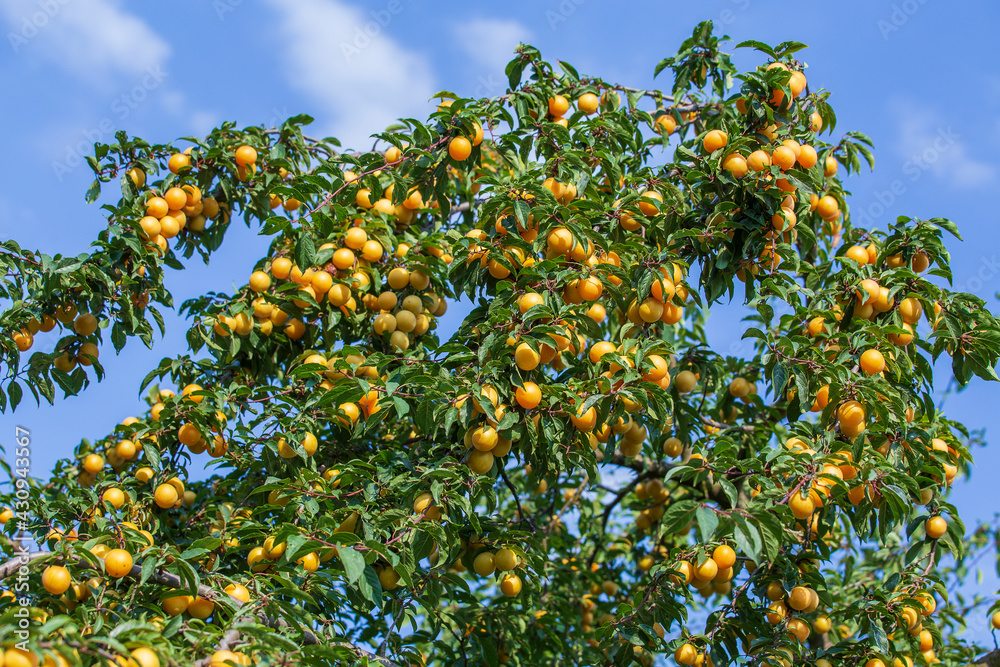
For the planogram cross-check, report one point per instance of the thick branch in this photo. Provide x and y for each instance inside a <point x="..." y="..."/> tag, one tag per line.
<point x="991" y="659"/>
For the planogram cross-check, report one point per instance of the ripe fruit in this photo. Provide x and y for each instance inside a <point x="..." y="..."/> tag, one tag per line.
<point x="527" y="300"/>
<point x="739" y="388"/>
<point x="259" y="281"/>
<point x="936" y="527"/>
<point x="735" y="164"/>
<point x="165" y="496"/>
<point x="802" y="508"/>
<point x="822" y="625"/>
<point x="93" y="463"/>
<point x="23" y="340"/>
<point x="485" y="438"/>
<point x="666" y="124"/>
<point x="798" y="629"/>
<point x="176" y="199"/>
<point x="777" y="612"/>
<point x="872" y="362"/>
<point x="588" y="103"/>
<point x="591" y="289"/>
<point x="145" y="657"/>
<point x="188" y="392"/>
<point x="505" y="560"/>
<point x="484" y="564"/>
<point x="528" y="395"/>
<point x="686" y="654"/>
<point x="246" y="155"/>
<point x="647" y="208"/>
<point x="724" y="556"/>
<point x="156" y="207"/>
<point x="659" y="369"/>
<point x="707" y="570"/>
<point x="650" y="310"/>
<point x="224" y="658"/>
<point x="480" y="462"/>
<point x="459" y="149"/>
<point x="309" y="562"/>
<point x="599" y="349"/>
<point x="714" y="140"/>
<point x="137" y="176"/>
<point x="759" y="160"/>
<point x="783" y="157"/>
<point x="910" y="310"/>
<point x="114" y="496"/>
<point x="685" y="382"/>
<point x="85" y="324"/>
<point x="510" y="585"/>
<point x="558" y="106"/>
<point x="828" y="207"/>
<point x="177" y="605"/>
<point x="673" y="447"/>
<point x="201" y="608"/>
<point x="526" y="358"/>
<point x="850" y="413"/>
<point x="238" y="591"/>
<point x="117" y="563"/>
<point x="272" y="550"/>
<point x="584" y="420"/>
<point x="807" y="157"/>
<point x="799" y="598"/>
<point x="56" y="579"/>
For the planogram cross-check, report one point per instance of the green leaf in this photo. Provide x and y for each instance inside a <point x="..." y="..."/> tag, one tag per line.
<point x="779" y="378"/>
<point x="708" y="521"/>
<point x="148" y="567"/>
<point x="521" y="212"/>
<point x="747" y="538"/>
<point x="760" y="46"/>
<point x="305" y="251"/>
<point x="93" y="192"/>
<point x="370" y="586"/>
<point x="353" y="561"/>
<point x="947" y="225"/>
<point x="15" y="392"/>
<point x="488" y="647"/>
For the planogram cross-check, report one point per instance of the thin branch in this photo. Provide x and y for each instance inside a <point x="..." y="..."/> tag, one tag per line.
<point x="517" y="499"/>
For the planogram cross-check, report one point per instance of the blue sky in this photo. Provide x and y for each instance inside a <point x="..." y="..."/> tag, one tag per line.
<point x="921" y="77"/>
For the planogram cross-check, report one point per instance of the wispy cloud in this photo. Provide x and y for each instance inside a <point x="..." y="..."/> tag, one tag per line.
<point x="344" y="58"/>
<point x="92" y="39"/>
<point x="927" y="140"/>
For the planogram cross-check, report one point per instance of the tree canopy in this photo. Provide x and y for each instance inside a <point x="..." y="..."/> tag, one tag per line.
<point x="573" y="475"/>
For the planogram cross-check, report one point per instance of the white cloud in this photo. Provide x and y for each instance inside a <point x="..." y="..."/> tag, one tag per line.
<point x="92" y="39"/>
<point x="342" y="57"/>
<point x="928" y="141"/>
<point x="490" y="43"/>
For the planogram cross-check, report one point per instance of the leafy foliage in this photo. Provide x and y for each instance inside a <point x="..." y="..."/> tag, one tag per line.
<point x="573" y="476"/>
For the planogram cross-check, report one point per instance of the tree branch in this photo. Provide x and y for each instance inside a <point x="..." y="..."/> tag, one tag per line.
<point x="517" y="499"/>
